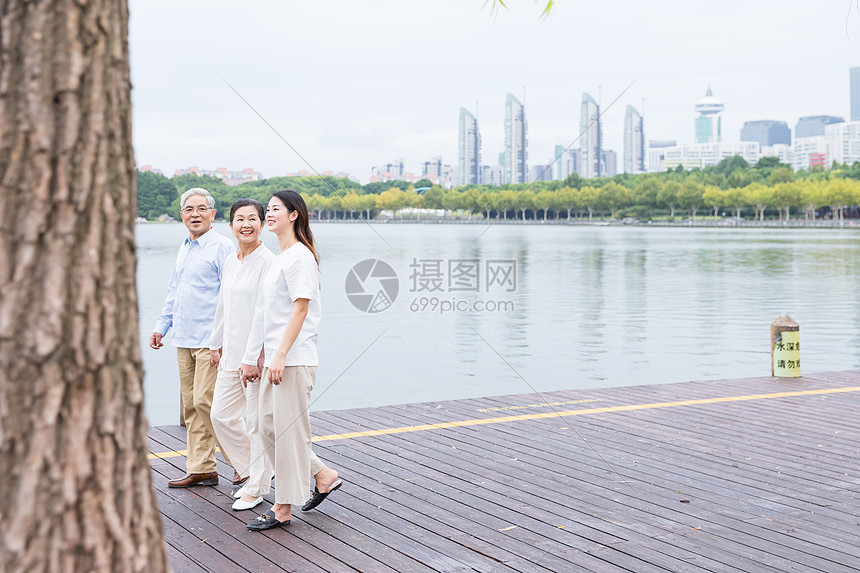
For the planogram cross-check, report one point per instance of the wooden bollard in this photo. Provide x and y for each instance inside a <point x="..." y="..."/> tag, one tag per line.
<point x="785" y="348"/>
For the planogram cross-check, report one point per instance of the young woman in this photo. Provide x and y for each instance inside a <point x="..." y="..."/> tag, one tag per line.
<point x="286" y="325"/>
<point x="240" y="286"/>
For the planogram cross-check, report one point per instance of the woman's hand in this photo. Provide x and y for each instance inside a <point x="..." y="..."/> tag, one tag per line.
<point x="276" y="369"/>
<point x="248" y="374"/>
<point x="215" y="357"/>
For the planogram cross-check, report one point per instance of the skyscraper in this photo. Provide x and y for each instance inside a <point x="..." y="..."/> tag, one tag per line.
<point x="766" y="132"/>
<point x="709" y="128"/>
<point x="634" y="142"/>
<point x="558" y="156"/>
<point x="516" y="143"/>
<point x="469" y="168"/>
<point x="855" y="94"/>
<point x="591" y="137"/>
<point x="813" y="125"/>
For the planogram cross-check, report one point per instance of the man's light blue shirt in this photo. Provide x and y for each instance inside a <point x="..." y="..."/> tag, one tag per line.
<point x="192" y="293"/>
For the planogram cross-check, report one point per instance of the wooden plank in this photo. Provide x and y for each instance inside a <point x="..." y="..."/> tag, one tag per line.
<point x="763" y="495"/>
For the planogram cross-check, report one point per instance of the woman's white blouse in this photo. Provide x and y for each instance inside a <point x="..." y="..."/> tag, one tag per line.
<point x="240" y="289"/>
<point x="292" y="275"/>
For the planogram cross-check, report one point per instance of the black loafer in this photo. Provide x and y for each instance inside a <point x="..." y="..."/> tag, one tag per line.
<point x="266" y="521"/>
<point x="318" y="497"/>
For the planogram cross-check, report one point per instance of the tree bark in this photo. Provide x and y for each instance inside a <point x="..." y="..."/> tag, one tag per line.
<point x="75" y="480"/>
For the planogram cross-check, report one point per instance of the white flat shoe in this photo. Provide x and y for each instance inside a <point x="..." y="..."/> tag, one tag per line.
<point x="239" y="492"/>
<point x="240" y="505"/>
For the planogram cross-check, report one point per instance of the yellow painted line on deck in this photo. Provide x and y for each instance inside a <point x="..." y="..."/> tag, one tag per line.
<point x="545" y="415"/>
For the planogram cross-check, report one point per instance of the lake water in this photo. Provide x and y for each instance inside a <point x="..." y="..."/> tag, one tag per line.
<point x="583" y="307"/>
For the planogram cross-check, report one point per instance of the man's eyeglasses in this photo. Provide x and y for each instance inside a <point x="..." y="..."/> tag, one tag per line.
<point x="202" y="209"/>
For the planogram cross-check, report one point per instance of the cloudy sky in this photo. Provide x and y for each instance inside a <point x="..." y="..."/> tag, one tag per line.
<point x="354" y="84"/>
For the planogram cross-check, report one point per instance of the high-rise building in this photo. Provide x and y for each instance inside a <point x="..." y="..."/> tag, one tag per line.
<point x="516" y="142"/>
<point x="492" y="175"/>
<point x="227" y="176"/>
<point x="591" y="138"/>
<point x="469" y="168"/>
<point x="540" y="173"/>
<point x="609" y="163"/>
<point x="855" y="94"/>
<point x="634" y="142"/>
<point x="701" y="155"/>
<point x="657" y="153"/>
<point x="809" y="152"/>
<point x="391" y="171"/>
<point x="709" y="128"/>
<point x="766" y="132"/>
<point x="813" y="125"/>
<point x="843" y="142"/>
<point x="558" y="166"/>
<point x="566" y="162"/>
<point x="432" y="167"/>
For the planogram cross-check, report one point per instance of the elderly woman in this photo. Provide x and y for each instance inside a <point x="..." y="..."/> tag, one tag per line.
<point x="240" y="285"/>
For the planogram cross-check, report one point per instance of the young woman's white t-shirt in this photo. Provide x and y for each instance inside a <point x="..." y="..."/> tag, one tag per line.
<point x="292" y="275"/>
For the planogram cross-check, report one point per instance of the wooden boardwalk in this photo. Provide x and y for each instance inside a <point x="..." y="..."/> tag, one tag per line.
<point x="755" y="475"/>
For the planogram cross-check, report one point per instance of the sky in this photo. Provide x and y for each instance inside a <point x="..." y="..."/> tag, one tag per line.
<point x="350" y="85"/>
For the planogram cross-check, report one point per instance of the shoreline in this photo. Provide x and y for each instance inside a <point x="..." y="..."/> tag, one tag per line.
<point x="848" y="224"/>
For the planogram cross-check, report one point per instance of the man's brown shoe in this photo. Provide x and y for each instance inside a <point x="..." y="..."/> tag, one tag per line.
<point x="237" y="479"/>
<point x="195" y="479"/>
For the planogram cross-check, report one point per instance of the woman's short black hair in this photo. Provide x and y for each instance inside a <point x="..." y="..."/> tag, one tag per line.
<point x="245" y="203"/>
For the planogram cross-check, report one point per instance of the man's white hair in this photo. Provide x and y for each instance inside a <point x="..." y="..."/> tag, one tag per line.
<point x="197" y="191"/>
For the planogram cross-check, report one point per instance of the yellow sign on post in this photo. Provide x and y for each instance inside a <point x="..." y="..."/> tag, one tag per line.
<point x="786" y="354"/>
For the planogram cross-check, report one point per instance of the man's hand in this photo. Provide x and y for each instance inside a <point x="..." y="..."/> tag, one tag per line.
<point x="155" y="341"/>
<point x="215" y="357"/>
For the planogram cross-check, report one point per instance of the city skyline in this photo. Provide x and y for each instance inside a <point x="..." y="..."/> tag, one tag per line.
<point x="370" y="92"/>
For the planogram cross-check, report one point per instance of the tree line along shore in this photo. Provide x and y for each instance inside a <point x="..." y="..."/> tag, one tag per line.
<point x="768" y="190"/>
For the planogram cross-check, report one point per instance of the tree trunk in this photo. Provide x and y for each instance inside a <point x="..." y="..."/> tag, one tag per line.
<point x="76" y="485"/>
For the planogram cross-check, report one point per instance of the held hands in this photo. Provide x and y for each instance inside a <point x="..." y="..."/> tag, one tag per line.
<point x="249" y="374"/>
<point x="155" y="341"/>
<point x="215" y="357"/>
<point x="276" y="369"/>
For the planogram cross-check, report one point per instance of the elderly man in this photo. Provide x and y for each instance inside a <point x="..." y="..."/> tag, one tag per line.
<point x="192" y="297"/>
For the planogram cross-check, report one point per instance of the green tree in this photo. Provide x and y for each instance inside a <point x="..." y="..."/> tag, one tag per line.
<point x="433" y="197"/>
<point x="351" y="204"/>
<point x="760" y="197"/>
<point x="525" y="202"/>
<point x="785" y="196"/>
<point x="155" y="194"/>
<point x="452" y="200"/>
<point x="839" y="195"/>
<point x="737" y="198"/>
<point x="667" y="196"/>
<point x="690" y="196"/>
<point x="615" y="197"/>
<point x="588" y="198"/>
<point x="714" y="197"/>
<point x="544" y="201"/>
<point x="812" y="197"/>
